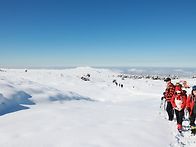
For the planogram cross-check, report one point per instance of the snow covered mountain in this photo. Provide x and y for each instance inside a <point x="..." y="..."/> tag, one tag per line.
<point x="58" y="108"/>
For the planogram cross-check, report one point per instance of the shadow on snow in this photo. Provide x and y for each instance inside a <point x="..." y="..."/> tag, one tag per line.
<point x="17" y="101"/>
<point x="74" y="96"/>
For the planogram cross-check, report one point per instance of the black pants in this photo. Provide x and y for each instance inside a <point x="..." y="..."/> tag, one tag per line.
<point x="192" y="119"/>
<point x="179" y="116"/>
<point x="170" y="111"/>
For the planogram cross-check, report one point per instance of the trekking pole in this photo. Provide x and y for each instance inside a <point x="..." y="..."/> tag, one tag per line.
<point x="161" y="102"/>
<point x="162" y="106"/>
<point x="165" y="105"/>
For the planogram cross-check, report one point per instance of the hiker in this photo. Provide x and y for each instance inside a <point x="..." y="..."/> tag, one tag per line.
<point x="179" y="103"/>
<point x="169" y="91"/>
<point x="191" y="107"/>
<point x="114" y="81"/>
<point x="185" y="85"/>
<point x="184" y="92"/>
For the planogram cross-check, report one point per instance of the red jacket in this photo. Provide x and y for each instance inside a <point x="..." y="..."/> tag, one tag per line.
<point x="179" y="101"/>
<point x="190" y="103"/>
<point x="169" y="92"/>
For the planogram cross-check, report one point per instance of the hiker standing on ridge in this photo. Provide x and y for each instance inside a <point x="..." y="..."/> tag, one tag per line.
<point x="191" y="107"/>
<point x="179" y="103"/>
<point x="169" y="92"/>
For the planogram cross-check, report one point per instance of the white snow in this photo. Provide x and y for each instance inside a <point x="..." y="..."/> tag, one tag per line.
<point x="55" y="108"/>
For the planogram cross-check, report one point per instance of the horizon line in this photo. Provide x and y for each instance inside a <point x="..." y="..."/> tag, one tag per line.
<point x="65" y="67"/>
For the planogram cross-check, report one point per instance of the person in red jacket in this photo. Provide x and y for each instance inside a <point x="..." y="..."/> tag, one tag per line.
<point x="169" y="91"/>
<point x="191" y="107"/>
<point x="179" y="103"/>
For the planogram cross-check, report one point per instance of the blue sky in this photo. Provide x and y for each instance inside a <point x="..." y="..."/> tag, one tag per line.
<point x="97" y="33"/>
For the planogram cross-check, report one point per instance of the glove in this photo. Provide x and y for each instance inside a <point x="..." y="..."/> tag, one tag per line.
<point x="162" y="97"/>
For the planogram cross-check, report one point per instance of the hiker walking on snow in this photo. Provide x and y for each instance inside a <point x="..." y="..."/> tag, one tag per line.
<point x="191" y="107"/>
<point x="169" y="91"/>
<point x="179" y="103"/>
<point x="184" y="92"/>
<point x="185" y="85"/>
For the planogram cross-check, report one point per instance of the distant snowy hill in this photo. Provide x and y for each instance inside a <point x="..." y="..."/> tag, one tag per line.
<point x="58" y="108"/>
<point x="162" y="71"/>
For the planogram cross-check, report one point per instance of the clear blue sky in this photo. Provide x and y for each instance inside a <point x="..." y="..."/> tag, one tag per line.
<point x="97" y="33"/>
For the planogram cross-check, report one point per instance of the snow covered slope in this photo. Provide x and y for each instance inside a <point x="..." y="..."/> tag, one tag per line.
<point x="56" y="108"/>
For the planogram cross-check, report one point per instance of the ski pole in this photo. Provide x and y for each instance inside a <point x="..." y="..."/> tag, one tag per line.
<point x="165" y="104"/>
<point x="161" y="102"/>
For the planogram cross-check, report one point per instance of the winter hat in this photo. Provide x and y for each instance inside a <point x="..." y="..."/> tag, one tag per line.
<point x="194" y="88"/>
<point x="167" y="79"/>
<point x="178" y="85"/>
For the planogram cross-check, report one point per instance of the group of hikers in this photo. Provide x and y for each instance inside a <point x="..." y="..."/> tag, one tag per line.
<point x="179" y="102"/>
